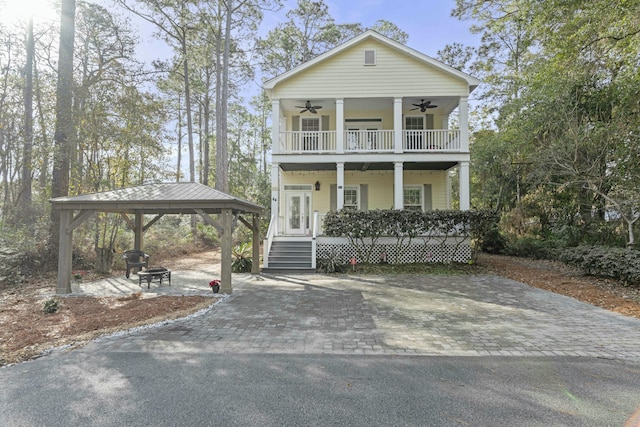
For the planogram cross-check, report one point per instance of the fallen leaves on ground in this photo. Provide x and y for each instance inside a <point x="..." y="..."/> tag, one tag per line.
<point x="557" y="277"/>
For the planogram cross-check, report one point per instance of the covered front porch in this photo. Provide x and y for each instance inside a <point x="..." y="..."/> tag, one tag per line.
<point x="302" y="189"/>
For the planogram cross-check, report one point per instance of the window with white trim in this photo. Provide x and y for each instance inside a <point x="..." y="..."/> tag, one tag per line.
<point x="310" y="124"/>
<point x="414" y="122"/>
<point x="414" y="126"/>
<point x="413" y="198"/>
<point x="351" y="197"/>
<point x="310" y="132"/>
<point x="369" y="57"/>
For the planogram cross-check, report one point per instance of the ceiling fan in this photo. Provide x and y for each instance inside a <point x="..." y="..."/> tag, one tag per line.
<point x="423" y="105"/>
<point x="309" y="107"/>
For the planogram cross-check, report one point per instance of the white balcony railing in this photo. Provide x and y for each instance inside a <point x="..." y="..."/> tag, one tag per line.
<point x="431" y="140"/>
<point x="367" y="141"/>
<point x="307" y="142"/>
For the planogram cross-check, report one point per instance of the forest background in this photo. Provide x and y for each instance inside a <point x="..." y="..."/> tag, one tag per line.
<point x="555" y="124"/>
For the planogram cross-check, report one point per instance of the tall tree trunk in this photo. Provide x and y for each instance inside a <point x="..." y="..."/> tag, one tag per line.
<point x="206" y="117"/>
<point x="187" y="104"/>
<point x="179" y="166"/>
<point x="222" y="117"/>
<point x="25" y="196"/>
<point x="44" y="166"/>
<point x="64" y="115"/>
<point x="219" y="149"/>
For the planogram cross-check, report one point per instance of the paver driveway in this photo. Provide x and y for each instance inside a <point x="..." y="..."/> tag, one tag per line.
<point x="465" y="315"/>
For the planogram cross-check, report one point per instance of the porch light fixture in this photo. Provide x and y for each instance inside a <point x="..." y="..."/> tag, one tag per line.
<point x="317" y="185"/>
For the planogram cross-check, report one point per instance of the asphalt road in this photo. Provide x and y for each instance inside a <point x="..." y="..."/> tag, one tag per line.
<point x="81" y="388"/>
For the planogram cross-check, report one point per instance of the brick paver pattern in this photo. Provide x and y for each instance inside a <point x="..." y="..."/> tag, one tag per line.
<point x="463" y="315"/>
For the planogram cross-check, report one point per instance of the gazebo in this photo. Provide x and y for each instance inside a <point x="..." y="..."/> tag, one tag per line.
<point x="133" y="203"/>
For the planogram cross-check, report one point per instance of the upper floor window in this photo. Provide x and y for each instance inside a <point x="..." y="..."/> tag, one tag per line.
<point x="414" y="123"/>
<point x="369" y="57"/>
<point x="310" y="124"/>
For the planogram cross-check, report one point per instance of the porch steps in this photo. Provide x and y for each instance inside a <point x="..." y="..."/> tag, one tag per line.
<point x="290" y="256"/>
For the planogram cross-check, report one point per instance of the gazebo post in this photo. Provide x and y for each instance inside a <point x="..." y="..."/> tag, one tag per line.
<point x="225" y="268"/>
<point x="255" y="265"/>
<point x="138" y="232"/>
<point x="65" y="252"/>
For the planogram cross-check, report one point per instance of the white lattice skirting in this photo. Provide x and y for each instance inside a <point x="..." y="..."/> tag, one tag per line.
<point x="386" y="248"/>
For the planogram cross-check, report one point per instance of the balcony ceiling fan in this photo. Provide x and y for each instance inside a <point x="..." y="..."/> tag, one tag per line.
<point x="424" y="105"/>
<point x="309" y="107"/>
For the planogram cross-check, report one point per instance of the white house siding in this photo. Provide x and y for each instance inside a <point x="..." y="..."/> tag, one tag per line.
<point x="394" y="75"/>
<point x="438" y="181"/>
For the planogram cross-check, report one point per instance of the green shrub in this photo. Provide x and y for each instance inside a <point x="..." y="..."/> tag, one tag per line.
<point x="208" y="234"/>
<point x="603" y="261"/>
<point x="242" y="261"/>
<point x="532" y="247"/>
<point x="493" y="242"/>
<point x="364" y="228"/>
<point x="331" y="264"/>
<point x="51" y="305"/>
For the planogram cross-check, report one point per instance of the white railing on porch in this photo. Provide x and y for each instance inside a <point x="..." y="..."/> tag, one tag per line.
<point x="314" y="235"/>
<point x="272" y="231"/>
<point x="307" y="142"/>
<point x="369" y="140"/>
<point x="431" y="140"/>
<point x="366" y="141"/>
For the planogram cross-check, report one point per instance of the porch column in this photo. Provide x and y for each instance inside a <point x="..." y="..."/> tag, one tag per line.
<point x="275" y="126"/>
<point x="463" y="107"/>
<point x="340" y="126"/>
<point x="275" y="194"/>
<point x="397" y="125"/>
<point x="447" y="193"/>
<point x="464" y="186"/>
<point x="398" y="185"/>
<point x="225" y="267"/>
<point x="340" y="185"/>
<point x="65" y="251"/>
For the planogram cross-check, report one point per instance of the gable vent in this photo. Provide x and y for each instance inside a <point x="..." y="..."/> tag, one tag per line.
<point x="369" y="57"/>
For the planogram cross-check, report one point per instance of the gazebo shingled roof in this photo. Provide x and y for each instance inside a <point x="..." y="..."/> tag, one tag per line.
<point x="176" y="198"/>
<point x="156" y="199"/>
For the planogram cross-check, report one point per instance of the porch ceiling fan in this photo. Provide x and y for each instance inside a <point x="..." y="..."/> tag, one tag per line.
<point x="423" y="106"/>
<point x="309" y="107"/>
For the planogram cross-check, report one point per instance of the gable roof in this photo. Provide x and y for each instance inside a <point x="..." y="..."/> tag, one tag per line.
<point x="370" y="34"/>
<point x="180" y="197"/>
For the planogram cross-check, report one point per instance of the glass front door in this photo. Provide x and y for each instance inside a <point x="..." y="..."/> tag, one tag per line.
<point x="298" y="208"/>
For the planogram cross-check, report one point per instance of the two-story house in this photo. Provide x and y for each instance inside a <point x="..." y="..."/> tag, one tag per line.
<point x="362" y="126"/>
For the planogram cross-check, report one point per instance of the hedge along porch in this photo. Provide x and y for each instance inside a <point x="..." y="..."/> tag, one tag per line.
<point x="159" y="200"/>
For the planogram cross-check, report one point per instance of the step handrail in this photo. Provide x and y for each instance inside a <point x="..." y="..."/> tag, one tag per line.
<point x="314" y="245"/>
<point x="271" y="232"/>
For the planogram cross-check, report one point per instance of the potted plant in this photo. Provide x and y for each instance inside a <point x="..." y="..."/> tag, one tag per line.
<point x="215" y="285"/>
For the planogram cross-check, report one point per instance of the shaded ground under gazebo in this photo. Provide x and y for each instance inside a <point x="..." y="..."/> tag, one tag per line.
<point x="133" y="203"/>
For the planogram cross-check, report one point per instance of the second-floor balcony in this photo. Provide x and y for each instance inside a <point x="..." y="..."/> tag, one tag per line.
<point x="370" y="141"/>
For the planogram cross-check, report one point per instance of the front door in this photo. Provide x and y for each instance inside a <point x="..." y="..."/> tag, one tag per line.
<point x="298" y="208"/>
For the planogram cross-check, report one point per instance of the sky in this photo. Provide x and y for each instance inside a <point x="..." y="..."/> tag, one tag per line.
<point x="428" y="22"/>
